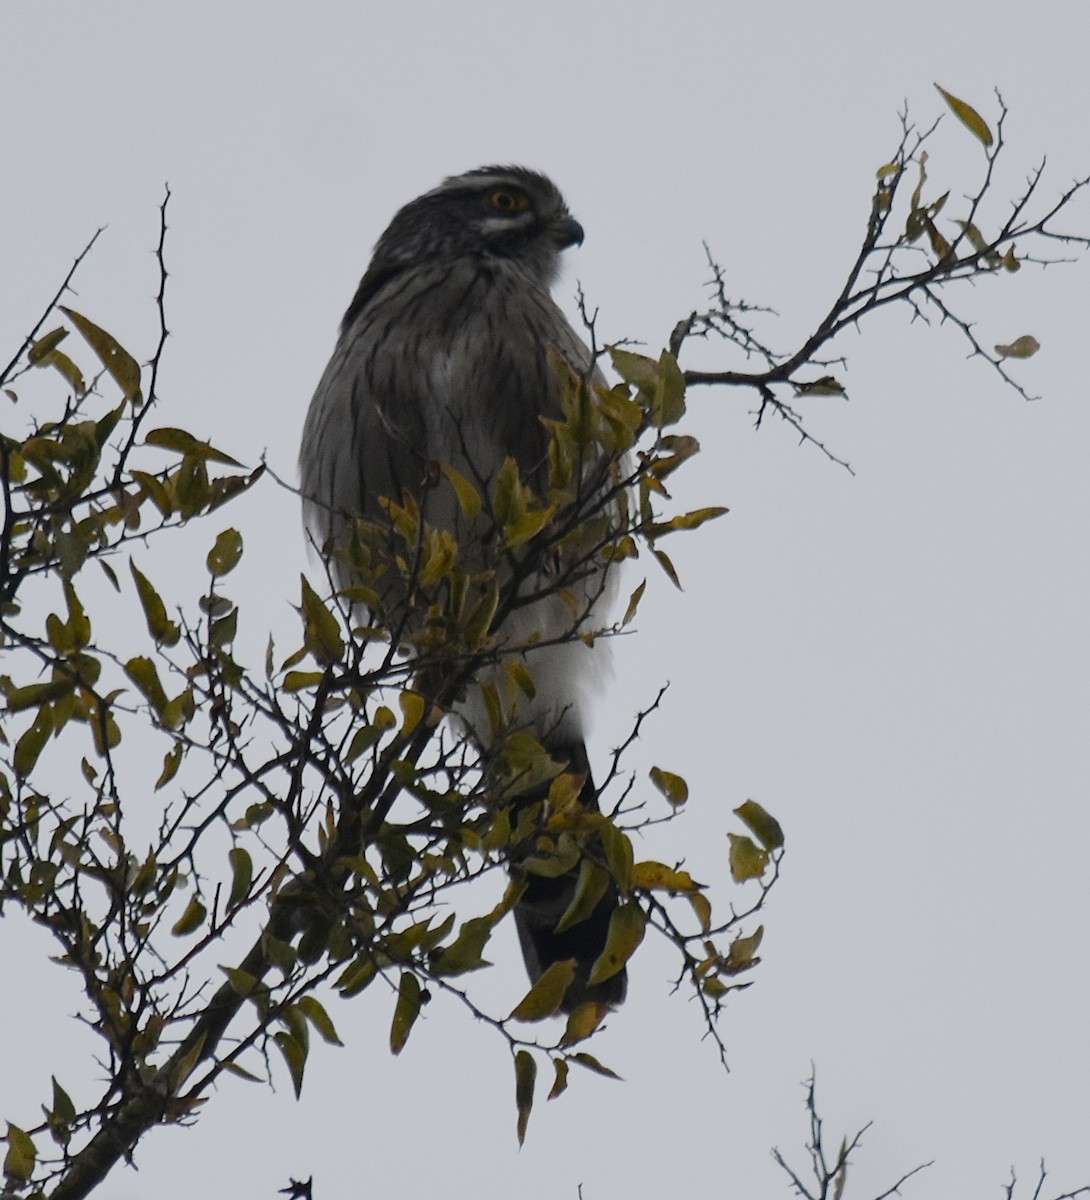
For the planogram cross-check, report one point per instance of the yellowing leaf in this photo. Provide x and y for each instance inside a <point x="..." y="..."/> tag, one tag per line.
<point x="224" y="555"/>
<point x="410" y="998"/>
<point x="1024" y="347"/>
<point x="968" y="116"/>
<point x="590" y="887"/>
<point x="546" y="996"/>
<point x="633" y="603"/>
<point x="468" y="497"/>
<point x="627" y="926"/>
<point x="162" y="629"/>
<point x="321" y="630"/>
<point x="761" y="824"/>
<point x="525" y="1077"/>
<point x="743" y="953"/>
<point x="413" y="707"/>
<point x="656" y="876"/>
<point x="295" y="1055"/>
<point x="182" y="442"/>
<point x="21" y="1156"/>
<point x="672" y="786"/>
<point x="121" y="365"/>
<point x="191" y="920"/>
<point x="747" y="860"/>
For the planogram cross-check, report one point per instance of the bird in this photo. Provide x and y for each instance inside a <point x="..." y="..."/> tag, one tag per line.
<point x="447" y="358"/>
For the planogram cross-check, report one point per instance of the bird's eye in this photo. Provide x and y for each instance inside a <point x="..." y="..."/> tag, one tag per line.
<point x="510" y="202"/>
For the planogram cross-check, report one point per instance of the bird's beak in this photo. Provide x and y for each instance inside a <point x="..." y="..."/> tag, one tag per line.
<point x="567" y="232"/>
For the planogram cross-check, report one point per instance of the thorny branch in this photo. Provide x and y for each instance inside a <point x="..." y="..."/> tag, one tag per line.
<point x="884" y="272"/>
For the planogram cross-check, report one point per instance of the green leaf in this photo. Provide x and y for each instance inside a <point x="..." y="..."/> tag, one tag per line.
<point x="224" y="555"/>
<point x="747" y="860"/>
<point x="410" y="998"/>
<point x="295" y="1055"/>
<point x="242" y="982"/>
<point x="143" y="672"/>
<point x="525" y="1077"/>
<point x="664" y="561"/>
<point x="592" y="1064"/>
<point x="319" y="1018"/>
<point x="242" y="875"/>
<point x="181" y="442"/>
<point x="123" y="368"/>
<point x="672" y="786"/>
<point x="546" y="996"/>
<point x="1024" y="347"/>
<point x="32" y="742"/>
<point x="321" y="630"/>
<point x="560" y="1082"/>
<point x="464" y="953"/>
<point x="761" y="824"/>
<point x="627" y="925"/>
<point x="21" y="1156"/>
<point x="968" y="116"/>
<point x="164" y="631"/>
<point x="590" y="887"/>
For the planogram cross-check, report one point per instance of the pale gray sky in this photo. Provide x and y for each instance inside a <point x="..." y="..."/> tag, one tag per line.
<point x="895" y="664"/>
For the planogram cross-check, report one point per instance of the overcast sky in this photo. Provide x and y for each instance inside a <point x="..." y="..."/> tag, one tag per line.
<point x="895" y="663"/>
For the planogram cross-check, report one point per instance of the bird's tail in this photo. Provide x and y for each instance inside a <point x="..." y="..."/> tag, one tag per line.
<point x="546" y="900"/>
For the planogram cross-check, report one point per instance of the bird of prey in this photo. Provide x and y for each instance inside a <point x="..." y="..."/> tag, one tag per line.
<point x="447" y="358"/>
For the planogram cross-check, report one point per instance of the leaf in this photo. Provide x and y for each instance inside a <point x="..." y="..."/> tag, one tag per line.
<point x="747" y="860"/>
<point x="242" y="875"/>
<point x="410" y="998"/>
<point x="224" y="555"/>
<point x="413" y="707"/>
<point x="560" y="1082"/>
<point x="468" y="497"/>
<point x="663" y="560"/>
<point x="627" y="925"/>
<point x="968" y="116"/>
<point x="583" y="1021"/>
<point x="190" y="920"/>
<point x="592" y="1064"/>
<point x="143" y="672"/>
<point x="295" y="1055"/>
<point x="672" y="786"/>
<point x="319" y="1018"/>
<point x="121" y="365"/>
<point x="164" y="631"/>
<point x="656" y="876"/>
<point x="762" y="824"/>
<point x="743" y="953"/>
<point x="1024" y="347"/>
<point x="703" y="909"/>
<point x="321" y="630"/>
<point x="32" y="742"/>
<point x="590" y="887"/>
<point x="464" y="953"/>
<point x="525" y="1077"/>
<point x="633" y="604"/>
<point x="21" y="1156"/>
<point x="546" y="996"/>
<point x="182" y="442"/>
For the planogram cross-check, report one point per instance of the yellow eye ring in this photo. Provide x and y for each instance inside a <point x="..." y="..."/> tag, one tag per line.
<point x="506" y="201"/>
